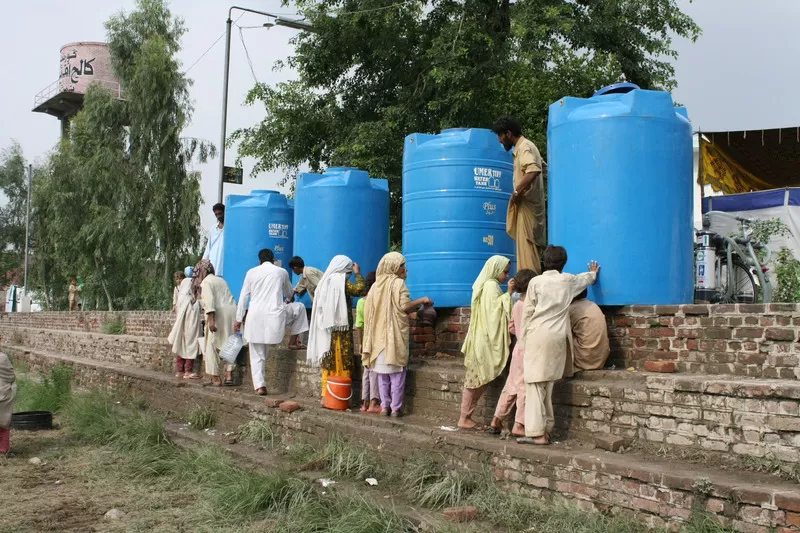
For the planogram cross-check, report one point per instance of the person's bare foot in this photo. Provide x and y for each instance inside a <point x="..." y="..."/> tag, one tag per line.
<point x="519" y="430"/>
<point x="262" y="391"/>
<point x="468" y="423"/>
<point x="216" y="381"/>
<point x="497" y="424"/>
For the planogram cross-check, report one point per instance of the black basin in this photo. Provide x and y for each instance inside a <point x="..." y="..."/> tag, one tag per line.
<point x="32" y="420"/>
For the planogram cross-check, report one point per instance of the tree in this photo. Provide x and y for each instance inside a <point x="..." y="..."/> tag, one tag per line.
<point x="13" y="184"/>
<point x="373" y="73"/>
<point x="144" y="45"/>
<point x="90" y="207"/>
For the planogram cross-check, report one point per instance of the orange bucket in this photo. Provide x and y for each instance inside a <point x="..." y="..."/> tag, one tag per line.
<point x="338" y="393"/>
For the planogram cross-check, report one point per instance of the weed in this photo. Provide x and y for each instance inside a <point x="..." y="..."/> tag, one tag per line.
<point x="115" y="325"/>
<point x="704" y="523"/>
<point x="428" y="485"/>
<point x="703" y="486"/>
<point x="770" y="464"/>
<point x="258" y="433"/>
<point x="302" y="454"/>
<point x="345" y="461"/>
<point x="340" y="514"/>
<point x="51" y="393"/>
<point x="201" y="418"/>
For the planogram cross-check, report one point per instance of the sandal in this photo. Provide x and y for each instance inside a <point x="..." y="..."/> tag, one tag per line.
<point x="492" y="430"/>
<point x="363" y="409"/>
<point x="374" y="410"/>
<point x="178" y="374"/>
<point x="477" y="427"/>
<point x="191" y="376"/>
<point x="296" y="347"/>
<point x="216" y="381"/>
<point x="532" y="441"/>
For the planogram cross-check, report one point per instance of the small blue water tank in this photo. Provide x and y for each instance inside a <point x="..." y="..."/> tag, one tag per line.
<point x="620" y="192"/>
<point x="341" y="212"/>
<point x="456" y="188"/>
<point x="263" y="219"/>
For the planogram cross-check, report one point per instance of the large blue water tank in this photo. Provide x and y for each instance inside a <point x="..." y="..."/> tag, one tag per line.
<point x="341" y="212"/>
<point x="456" y="187"/>
<point x="263" y="219"/>
<point x="620" y="192"/>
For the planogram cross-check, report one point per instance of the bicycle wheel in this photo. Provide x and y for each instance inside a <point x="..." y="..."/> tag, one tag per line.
<point x="745" y="290"/>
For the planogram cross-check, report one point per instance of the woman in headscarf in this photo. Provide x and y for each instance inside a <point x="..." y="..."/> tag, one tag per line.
<point x="330" y="339"/>
<point x="386" y="330"/>
<point x="8" y="389"/>
<point x="220" y="309"/>
<point x="186" y="329"/>
<point x="486" y="347"/>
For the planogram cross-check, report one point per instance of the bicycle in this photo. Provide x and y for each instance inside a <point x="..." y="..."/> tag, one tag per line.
<point x="725" y="266"/>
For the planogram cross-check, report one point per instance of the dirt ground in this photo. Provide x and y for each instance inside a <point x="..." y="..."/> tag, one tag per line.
<point x="76" y="485"/>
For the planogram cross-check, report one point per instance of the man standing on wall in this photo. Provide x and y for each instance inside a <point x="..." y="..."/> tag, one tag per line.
<point x="214" y="246"/>
<point x="265" y="288"/>
<point x="526" y="219"/>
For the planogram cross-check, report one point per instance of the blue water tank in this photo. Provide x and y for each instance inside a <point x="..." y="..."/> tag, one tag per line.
<point x="620" y="192"/>
<point x="341" y="212"/>
<point x="263" y="219"/>
<point x="456" y="187"/>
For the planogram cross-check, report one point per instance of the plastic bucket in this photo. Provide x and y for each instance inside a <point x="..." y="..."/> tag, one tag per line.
<point x="338" y="393"/>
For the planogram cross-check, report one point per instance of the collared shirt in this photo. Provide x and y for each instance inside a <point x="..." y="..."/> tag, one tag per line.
<point x="528" y="159"/>
<point x="265" y="288"/>
<point x="214" y="249"/>
<point x="309" y="281"/>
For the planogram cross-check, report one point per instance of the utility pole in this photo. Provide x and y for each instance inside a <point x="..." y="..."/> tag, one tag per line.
<point x="277" y="21"/>
<point x="27" y="230"/>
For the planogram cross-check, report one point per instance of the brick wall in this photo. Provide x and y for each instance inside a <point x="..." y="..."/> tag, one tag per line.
<point x="140" y="323"/>
<point x="742" y="340"/>
<point x="662" y="493"/>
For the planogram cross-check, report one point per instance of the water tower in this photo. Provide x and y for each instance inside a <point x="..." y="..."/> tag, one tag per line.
<point x="82" y="64"/>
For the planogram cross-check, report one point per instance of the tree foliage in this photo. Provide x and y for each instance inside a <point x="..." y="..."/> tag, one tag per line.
<point x="118" y="205"/>
<point x="374" y="72"/>
<point x="12" y="215"/>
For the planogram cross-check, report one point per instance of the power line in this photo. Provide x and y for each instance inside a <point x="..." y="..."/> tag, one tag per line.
<point x="247" y="54"/>
<point x="209" y="48"/>
<point x="360" y="11"/>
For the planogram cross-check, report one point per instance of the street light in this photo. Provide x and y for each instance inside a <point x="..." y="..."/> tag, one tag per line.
<point x="278" y="21"/>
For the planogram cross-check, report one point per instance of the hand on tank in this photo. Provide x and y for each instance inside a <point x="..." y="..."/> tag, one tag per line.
<point x="356" y="269"/>
<point x="426" y="301"/>
<point x="594" y="267"/>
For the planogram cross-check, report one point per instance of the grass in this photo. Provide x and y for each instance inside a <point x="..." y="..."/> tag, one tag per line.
<point x="49" y="393"/>
<point x="348" y="462"/>
<point x="256" y="433"/>
<point x="427" y="484"/>
<point x="115" y="325"/>
<point x="200" y="418"/>
<point x="772" y="465"/>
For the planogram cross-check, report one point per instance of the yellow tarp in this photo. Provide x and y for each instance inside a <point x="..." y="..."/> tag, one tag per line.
<point x="724" y="174"/>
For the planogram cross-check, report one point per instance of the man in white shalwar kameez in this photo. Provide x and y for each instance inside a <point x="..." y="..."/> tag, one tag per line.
<point x="548" y="339"/>
<point x="267" y="287"/>
<point x="220" y="309"/>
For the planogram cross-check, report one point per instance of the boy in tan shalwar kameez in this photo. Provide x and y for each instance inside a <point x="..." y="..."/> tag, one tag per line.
<point x="548" y="338"/>
<point x="590" y="347"/>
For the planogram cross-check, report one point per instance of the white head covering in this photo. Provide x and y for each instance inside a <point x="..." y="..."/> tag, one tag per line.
<point x="330" y="311"/>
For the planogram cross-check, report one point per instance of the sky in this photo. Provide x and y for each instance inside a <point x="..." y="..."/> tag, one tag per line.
<point x="740" y="74"/>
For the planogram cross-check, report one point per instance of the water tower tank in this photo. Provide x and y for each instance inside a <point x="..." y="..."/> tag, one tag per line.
<point x="264" y="219"/>
<point x="456" y="187"/>
<point x="341" y="212"/>
<point x="620" y="193"/>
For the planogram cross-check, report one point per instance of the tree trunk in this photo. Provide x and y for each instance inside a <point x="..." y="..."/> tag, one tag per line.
<point x="101" y="275"/>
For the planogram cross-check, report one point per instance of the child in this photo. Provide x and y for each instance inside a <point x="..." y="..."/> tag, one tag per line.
<point x="386" y="330"/>
<point x="548" y="338"/>
<point x="370" y="386"/>
<point x="514" y="389"/>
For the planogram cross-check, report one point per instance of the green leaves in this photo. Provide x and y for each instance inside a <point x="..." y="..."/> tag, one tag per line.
<point x="374" y="72"/>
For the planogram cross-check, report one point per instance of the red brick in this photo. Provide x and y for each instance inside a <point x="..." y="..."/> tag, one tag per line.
<point x="667" y="309"/>
<point x="461" y="514"/>
<point x="717" y="333"/>
<point x="611" y="443"/>
<point x="289" y="406"/>
<point x="665" y="356"/>
<point x="665" y="367"/>
<point x="695" y="309"/>
<point x="779" y="334"/>
<point x="748" y="333"/>
<point x="789" y="501"/>
<point x="793" y="519"/>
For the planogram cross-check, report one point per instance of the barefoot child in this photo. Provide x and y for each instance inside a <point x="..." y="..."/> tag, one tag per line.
<point x="514" y="389"/>
<point x="548" y="339"/>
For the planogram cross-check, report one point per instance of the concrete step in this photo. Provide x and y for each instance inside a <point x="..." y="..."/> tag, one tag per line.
<point x="661" y="491"/>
